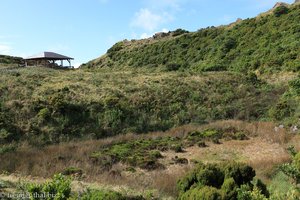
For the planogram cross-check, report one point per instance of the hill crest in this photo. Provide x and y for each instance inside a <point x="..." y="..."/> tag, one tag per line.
<point x="266" y="43"/>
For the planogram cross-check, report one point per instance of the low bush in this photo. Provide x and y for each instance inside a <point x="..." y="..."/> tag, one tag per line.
<point x="59" y="188"/>
<point x="92" y="194"/>
<point x="73" y="171"/>
<point x="220" y="181"/>
<point x="281" y="10"/>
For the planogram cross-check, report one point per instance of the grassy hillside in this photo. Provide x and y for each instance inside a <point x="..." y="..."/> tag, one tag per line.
<point x="138" y="119"/>
<point x="268" y="43"/>
<point x="9" y="61"/>
<point x="46" y="106"/>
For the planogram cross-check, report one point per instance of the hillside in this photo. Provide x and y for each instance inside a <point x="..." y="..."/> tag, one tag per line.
<point x="6" y="61"/>
<point x="44" y="106"/>
<point x="212" y="114"/>
<point x="267" y="43"/>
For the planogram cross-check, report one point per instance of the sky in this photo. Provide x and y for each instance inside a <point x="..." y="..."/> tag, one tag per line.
<point x="85" y="29"/>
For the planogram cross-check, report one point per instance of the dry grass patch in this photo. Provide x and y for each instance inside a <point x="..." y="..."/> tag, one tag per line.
<point x="263" y="150"/>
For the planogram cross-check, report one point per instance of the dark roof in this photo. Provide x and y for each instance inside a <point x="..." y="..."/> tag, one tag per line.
<point x="49" y="55"/>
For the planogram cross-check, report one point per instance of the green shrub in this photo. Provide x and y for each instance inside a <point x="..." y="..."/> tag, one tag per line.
<point x="245" y="193"/>
<point x="5" y="136"/>
<point x="7" y="148"/>
<point x="283" y="109"/>
<point x="295" y="86"/>
<point x="178" y="160"/>
<point x="241" y="173"/>
<point x="229" y="189"/>
<point x="225" y="180"/>
<point x="59" y="188"/>
<point x="72" y="171"/>
<point x="201" y="144"/>
<point x="44" y="113"/>
<point x="173" y="66"/>
<point x="203" y="193"/>
<point x="292" y="169"/>
<point x="210" y="175"/>
<point x="281" y="10"/>
<point x="98" y="194"/>
<point x="179" y="32"/>
<point x="177" y="148"/>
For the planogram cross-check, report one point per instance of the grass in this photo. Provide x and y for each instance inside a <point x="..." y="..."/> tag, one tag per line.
<point x="45" y="106"/>
<point x="215" y="49"/>
<point x="127" y="168"/>
<point x="209" y="100"/>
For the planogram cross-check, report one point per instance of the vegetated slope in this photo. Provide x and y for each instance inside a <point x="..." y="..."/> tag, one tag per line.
<point x="6" y="61"/>
<point x="268" y="43"/>
<point x="46" y="106"/>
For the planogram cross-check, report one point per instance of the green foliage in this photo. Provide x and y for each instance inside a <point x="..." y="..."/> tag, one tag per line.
<point x="267" y="44"/>
<point x="220" y="181"/>
<point x="210" y="175"/>
<point x="140" y="153"/>
<point x="281" y="187"/>
<point x="287" y="108"/>
<point x="59" y="188"/>
<point x="204" y="193"/>
<point x="283" y="109"/>
<point x="241" y="173"/>
<point x="77" y="105"/>
<point x="114" y="49"/>
<point x="215" y="135"/>
<point x="109" y="195"/>
<point x="72" y="170"/>
<point x="292" y="171"/>
<point x="7" y="148"/>
<point x="179" y="32"/>
<point x="229" y="189"/>
<point x="8" y="61"/>
<point x="281" y="10"/>
<point x="295" y="86"/>
<point x="245" y="194"/>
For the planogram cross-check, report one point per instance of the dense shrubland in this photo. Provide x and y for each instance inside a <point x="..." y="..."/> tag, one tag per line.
<point x="267" y="44"/>
<point x="44" y="106"/>
<point x="237" y="181"/>
<point x="9" y="61"/>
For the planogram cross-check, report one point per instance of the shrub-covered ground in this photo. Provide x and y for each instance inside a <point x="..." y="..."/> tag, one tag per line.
<point x="45" y="106"/>
<point x="94" y="124"/>
<point x="268" y="43"/>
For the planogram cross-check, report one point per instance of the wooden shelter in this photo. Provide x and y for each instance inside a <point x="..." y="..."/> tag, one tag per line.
<point x="48" y="59"/>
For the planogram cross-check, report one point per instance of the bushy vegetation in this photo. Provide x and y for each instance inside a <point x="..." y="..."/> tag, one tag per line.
<point x="287" y="108"/>
<point x="281" y="10"/>
<point x="10" y="61"/>
<point x="221" y="181"/>
<point x="146" y="153"/>
<point x="46" y="106"/>
<point x="110" y="195"/>
<point x="268" y="44"/>
<point x="59" y="188"/>
<point x="293" y="169"/>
